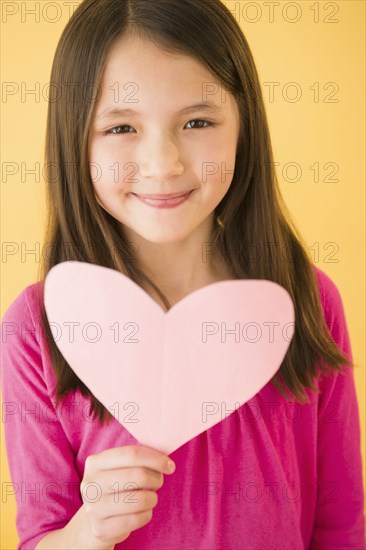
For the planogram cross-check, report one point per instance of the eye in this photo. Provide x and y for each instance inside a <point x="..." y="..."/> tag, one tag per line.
<point x="208" y="122"/>
<point x="116" y="129"/>
<point x="111" y="131"/>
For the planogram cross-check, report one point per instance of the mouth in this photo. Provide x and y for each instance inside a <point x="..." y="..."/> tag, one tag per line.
<point x="165" y="201"/>
<point x="163" y="196"/>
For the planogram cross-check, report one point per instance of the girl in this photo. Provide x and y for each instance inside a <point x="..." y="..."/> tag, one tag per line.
<point x="162" y="97"/>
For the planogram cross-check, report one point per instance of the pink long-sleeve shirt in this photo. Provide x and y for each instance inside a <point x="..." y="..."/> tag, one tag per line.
<point x="272" y="475"/>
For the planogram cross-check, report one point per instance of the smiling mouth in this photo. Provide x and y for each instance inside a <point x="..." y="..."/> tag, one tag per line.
<point x="164" y="201"/>
<point x="161" y="196"/>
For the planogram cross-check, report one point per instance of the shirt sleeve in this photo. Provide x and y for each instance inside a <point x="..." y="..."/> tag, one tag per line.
<point x="41" y="460"/>
<point x="339" y="521"/>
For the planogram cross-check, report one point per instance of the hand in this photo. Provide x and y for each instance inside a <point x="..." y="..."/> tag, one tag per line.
<point x="127" y="479"/>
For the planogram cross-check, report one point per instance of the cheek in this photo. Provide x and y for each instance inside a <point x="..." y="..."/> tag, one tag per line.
<point x="216" y="163"/>
<point x="107" y="174"/>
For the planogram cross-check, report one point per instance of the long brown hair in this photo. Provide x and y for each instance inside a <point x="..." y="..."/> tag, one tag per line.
<point x="253" y="212"/>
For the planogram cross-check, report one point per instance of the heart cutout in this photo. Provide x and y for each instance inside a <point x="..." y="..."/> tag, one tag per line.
<point x="165" y="375"/>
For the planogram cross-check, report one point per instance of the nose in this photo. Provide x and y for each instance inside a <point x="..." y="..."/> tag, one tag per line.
<point x="159" y="159"/>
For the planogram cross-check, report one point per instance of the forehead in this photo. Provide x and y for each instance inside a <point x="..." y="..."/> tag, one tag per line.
<point x="140" y="56"/>
<point x="138" y="71"/>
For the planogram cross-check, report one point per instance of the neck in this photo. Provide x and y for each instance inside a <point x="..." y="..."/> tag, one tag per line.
<point x="178" y="268"/>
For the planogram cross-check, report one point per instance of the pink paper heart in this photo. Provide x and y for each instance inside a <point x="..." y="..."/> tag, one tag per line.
<point x="162" y="375"/>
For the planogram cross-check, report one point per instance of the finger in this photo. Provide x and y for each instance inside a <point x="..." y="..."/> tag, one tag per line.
<point x="129" y="456"/>
<point x="122" y="503"/>
<point x="125" y="479"/>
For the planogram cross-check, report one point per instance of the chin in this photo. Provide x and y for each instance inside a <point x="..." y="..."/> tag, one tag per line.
<point x="161" y="237"/>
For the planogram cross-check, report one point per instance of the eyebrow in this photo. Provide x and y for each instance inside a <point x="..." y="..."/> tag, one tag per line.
<point x="206" y="106"/>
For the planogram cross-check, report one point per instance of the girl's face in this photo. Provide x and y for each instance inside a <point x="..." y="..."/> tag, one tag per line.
<point x="161" y="146"/>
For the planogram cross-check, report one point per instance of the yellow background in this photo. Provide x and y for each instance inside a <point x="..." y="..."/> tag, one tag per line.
<point x="317" y="52"/>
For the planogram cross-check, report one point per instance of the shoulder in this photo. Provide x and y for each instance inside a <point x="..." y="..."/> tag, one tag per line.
<point x="332" y="303"/>
<point x="329" y="293"/>
<point x="334" y="313"/>
<point x="20" y="332"/>
<point x="25" y="307"/>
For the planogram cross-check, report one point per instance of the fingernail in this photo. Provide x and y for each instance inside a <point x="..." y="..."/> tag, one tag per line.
<point x="170" y="466"/>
